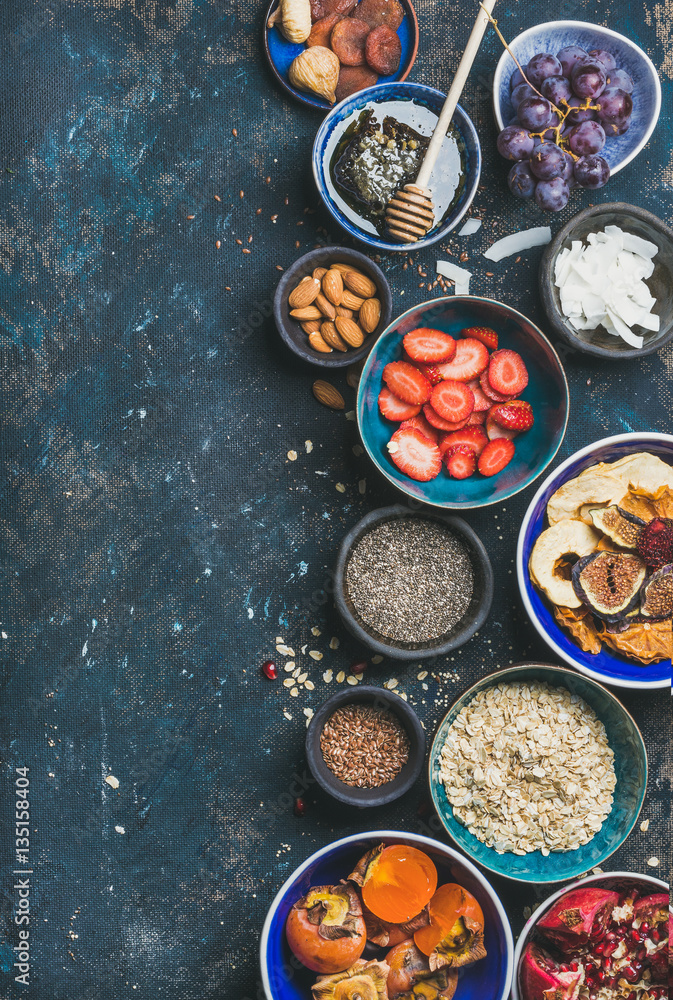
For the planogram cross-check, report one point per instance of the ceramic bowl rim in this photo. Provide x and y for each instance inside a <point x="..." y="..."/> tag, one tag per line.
<point x="496" y="675"/>
<point x="369" y="238"/>
<point x="600" y="30"/>
<point x="640" y="436"/>
<point x="383" y="835"/>
<point x="542" y="908"/>
<point x="430" y="303"/>
<point x="546" y="283"/>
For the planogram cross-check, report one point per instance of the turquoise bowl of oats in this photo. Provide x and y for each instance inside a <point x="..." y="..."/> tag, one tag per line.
<point x="538" y="773"/>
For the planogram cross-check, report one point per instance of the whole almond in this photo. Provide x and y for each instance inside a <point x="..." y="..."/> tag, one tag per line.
<point x="305" y="293"/>
<point x="329" y="334"/>
<point x="319" y="272"/>
<point x="318" y="344"/>
<point x="328" y="395"/>
<point x="342" y="311"/>
<point x="333" y="286"/>
<point x="369" y="315"/>
<point x="349" y="330"/>
<point x="342" y="267"/>
<point x="351" y="301"/>
<point x="306" y="312"/>
<point x="325" y="306"/>
<point x="310" y="326"/>
<point x="359" y="284"/>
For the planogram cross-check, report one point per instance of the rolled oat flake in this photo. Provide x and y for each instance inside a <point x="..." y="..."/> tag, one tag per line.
<point x="410" y="579"/>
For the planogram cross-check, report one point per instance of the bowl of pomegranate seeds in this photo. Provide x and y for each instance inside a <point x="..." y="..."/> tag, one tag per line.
<point x="604" y="937"/>
<point x="462" y="403"/>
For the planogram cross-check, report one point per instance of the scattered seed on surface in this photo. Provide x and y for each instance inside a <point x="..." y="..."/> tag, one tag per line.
<point x="645" y="825"/>
<point x="365" y="747"/>
<point x="309" y="447"/>
<point x="422" y="675"/>
<point x="653" y="862"/>
<point x="112" y="781"/>
<point x="341" y="677"/>
<point x="292" y="456"/>
<point x="340" y="488"/>
<point x="334" y="643"/>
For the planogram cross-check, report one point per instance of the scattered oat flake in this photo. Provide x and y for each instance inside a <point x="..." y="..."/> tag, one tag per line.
<point x="296" y="672"/>
<point x="423" y="674"/>
<point x="341" y="676"/>
<point x="327" y="676"/>
<point x="303" y="649"/>
<point x="334" y="643"/>
<point x="279" y="638"/>
<point x="285" y="650"/>
<point x="292" y="455"/>
<point x="308" y="712"/>
<point x="645" y="825"/>
<point x="358" y="450"/>
<point x="287" y="716"/>
<point x="362" y="486"/>
<point x="288" y="682"/>
<point x="315" y="630"/>
<point x="315" y="654"/>
<point x="527" y="912"/>
<point x="309" y="685"/>
<point x="653" y="862"/>
<point x="597" y="871"/>
<point x="302" y="677"/>
<point x="294" y="692"/>
<point x="309" y="447"/>
<point x="391" y="684"/>
<point x="377" y="659"/>
<point x="350" y="415"/>
<point x="112" y="781"/>
<point x="120" y="829"/>
<point x="352" y="680"/>
<point x="340" y="488"/>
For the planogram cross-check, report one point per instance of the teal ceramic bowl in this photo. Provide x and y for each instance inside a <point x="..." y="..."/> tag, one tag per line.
<point x="630" y="767"/>
<point x="547" y="392"/>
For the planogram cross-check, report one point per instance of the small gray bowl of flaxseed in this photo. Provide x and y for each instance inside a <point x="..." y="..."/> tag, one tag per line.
<point x="412" y="584"/>
<point x="365" y="746"/>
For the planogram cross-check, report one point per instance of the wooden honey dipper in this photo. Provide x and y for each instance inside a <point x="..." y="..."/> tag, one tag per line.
<point x="409" y="213"/>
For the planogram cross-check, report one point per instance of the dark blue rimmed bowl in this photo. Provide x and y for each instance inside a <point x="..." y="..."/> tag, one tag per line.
<point x="547" y="392"/>
<point x="380" y="94"/>
<point x="606" y="666"/>
<point x="284" y="978"/>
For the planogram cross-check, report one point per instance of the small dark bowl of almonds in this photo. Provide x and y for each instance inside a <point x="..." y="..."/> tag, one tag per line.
<point x="331" y="305"/>
<point x="365" y="746"/>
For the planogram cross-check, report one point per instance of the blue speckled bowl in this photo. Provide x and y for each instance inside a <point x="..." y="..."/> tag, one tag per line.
<point x="284" y="978"/>
<point x="555" y="35"/>
<point x="382" y="92"/>
<point x="547" y="392"/>
<point x="630" y="767"/>
<point x="606" y="666"/>
<point x="281" y="53"/>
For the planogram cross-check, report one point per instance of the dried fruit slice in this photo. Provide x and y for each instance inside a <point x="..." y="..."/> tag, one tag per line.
<point x="495" y="456"/>
<point x="397" y="881"/>
<point x="541" y="977"/>
<point x="348" y="41"/>
<point x="352" y="79"/>
<point x="376" y="12"/>
<point x="393" y="408"/>
<point x="325" y="929"/>
<point x="434" y="418"/>
<point x="429" y="346"/>
<point x="507" y="373"/>
<point x="609" y="582"/>
<point x="484" y="334"/>
<point x="321" y="31"/>
<point x="421" y="424"/>
<point x="516" y="415"/>
<point x="470" y="360"/>
<point x="406" y="382"/>
<point x="454" y="401"/>
<point x="363" y="981"/>
<point x="656" y="596"/>
<point x="455" y="935"/>
<point x="471" y="436"/>
<point x="417" y="457"/>
<point x="620" y="526"/>
<point x="575" y="917"/>
<point x="383" y="50"/>
<point x="461" y="461"/>
<point x="552" y="549"/>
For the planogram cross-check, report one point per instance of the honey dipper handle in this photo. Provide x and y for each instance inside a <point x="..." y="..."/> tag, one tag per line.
<point x="459" y="81"/>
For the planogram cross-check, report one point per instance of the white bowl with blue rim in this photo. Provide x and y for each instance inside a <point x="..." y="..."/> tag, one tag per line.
<point x="285" y="978"/>
<point x="607" y="666"/>
<point x="556" y="35"/>
<point x="382" y="94"/>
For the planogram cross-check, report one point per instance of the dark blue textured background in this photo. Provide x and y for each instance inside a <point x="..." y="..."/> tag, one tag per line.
<point x="146" y="415"/>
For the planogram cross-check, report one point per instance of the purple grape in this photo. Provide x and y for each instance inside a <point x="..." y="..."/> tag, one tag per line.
<point x="520" y="94"/>
<point x="601" y="56"/>
<point x="521" y="181"/>
<point x="578" y="113"/>
<point x="612" y="130"/>
<point x="547" y="161"/>
<point x="592" y="171"/>
<point x="568" y="174"/>
<point x="619" y="78"/>
<point x="588" y="79"/>
<point x="552" y="195"/>
<point x="550" y="133"/>
<point x="586" y="138"/>
<point x="534" y="113"/>
<point x="614" y="105"/>
<point x="516" y="79"/>
<point x="515" y="143"/>
<point x="569" y="56"/>
<point x="556" y="89"/>
<point x="541" y="66"/>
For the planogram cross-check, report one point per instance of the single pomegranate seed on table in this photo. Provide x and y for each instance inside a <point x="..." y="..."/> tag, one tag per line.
<point x="269" y="670"/>
<point x="299" y="807"/>
<point x="358" y="667"/>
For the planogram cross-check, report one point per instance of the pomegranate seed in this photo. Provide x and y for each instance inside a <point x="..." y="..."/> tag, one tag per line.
<point x="359" y="667"/>
<point x="641" y="953"/>
<point x="655" y="935"/>
<point x="635" y="936"/>
<point x="599" y="949"/>
<point x="600" y="976"/>
<point x="574" y="966"/>
<point x="611" y="936"/>
<point x="632" y="995"/>
<point x="630" y="974"/>
<point x="269" y="670"/>
<point x="610" y="947"/>
<point x="299" y="807"/>
<point x="589" y="968"/>
<point x="644" y="928"/>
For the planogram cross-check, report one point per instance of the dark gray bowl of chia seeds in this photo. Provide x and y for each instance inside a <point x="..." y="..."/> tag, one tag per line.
<point x="365" y="746"/>
<point x="412" y="584"/>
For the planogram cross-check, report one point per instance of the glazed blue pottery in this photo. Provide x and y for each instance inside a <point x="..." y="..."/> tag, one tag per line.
<point x="630" y="768"/>
<point x="547" y="392"/>
<point x="554" y="36"/>
<point x="284" y="977"/>
<point x="281" y="53"/>
<point x="606" y="666"/>
<point x="380" y="94"/>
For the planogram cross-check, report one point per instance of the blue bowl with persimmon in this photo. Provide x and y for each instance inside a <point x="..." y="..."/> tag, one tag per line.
<point x="472" y="430"/>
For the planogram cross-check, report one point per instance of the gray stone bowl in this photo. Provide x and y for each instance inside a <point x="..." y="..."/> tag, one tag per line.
<point x="472" y="620"/>
<point x="599" y="342"/>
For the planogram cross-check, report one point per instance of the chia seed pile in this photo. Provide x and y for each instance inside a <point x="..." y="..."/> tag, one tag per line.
<point x="364" y="747"/>
<point x="410" y="579"/>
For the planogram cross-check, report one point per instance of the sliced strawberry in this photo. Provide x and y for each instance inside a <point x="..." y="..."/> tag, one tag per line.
<point x="406" y="382"/>
<point x="461" y="461"/>
<point x="429" y="346"/>
<point x="470" y="436"/>
<point x="481" y="401"/>
<point x="470" y="360"/>
<point x="477" y="417"/>
<point x="517" y="415"/>
<point x="507" y="373"/>
<point x="495" y="456"/>
<point x="414" y="454"/>
<point x="393" y="408"/>
<point x="494" y="430"/>
<point x="484" y="334"/>
<point x="452" y="400"/>
<point x="442" y="425"/>
<point x="422" y="425"/>
<point x="489" y="391"/>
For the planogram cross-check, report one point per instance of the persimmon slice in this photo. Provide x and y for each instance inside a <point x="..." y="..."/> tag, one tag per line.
<point x="455" y="934"/>
<point x="398" y="882"/>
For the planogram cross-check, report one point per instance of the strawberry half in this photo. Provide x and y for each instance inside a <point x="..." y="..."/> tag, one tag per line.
<point x="461" y="461"/>
<point x="452" y="400"/>
<point x="470" y="437"/>
<point x="422" y="425"/>
<point x="487" y="336"/>
<point x="470" y="360"/>
<point x="481" y="401"/>
<point x="507" y="373"/>
<point x="494" y="430"/>
<point x="495" y="456"/>
<point x="517" y="415"/>
<point x="406" y="382"/>
<point x="414" y="454"/>
<point x="393" y="408"/>
<point x="442" y="425"/>
<point x="489" y="391"/>
<point x="429" y="346"/>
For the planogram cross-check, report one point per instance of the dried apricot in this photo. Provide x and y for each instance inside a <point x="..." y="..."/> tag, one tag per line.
<point x="397" y="882"/>
<point x="322" y="30"/>
<point x="348" y="41"/>
<point x="323" y="8"/>
<point x="455" y="935"/>
<point x="376" y="12"/>
<point x="383" y="50"/>
<point x="354" y="78"/>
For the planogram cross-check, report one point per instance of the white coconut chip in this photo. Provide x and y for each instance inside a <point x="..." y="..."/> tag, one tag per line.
<point x="460" y="276"/>
<point x="518" y="242"/>
<point x="470" y="227"/>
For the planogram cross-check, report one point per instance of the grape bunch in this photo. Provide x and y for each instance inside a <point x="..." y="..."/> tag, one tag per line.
<point x="567" y="107"/>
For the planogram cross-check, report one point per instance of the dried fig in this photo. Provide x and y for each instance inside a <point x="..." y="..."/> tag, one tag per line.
<point x="317" y="70"/>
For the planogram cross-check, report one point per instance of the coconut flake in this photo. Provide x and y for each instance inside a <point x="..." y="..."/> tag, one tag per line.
<point x="518" y="242"/>
<point x="459" y="275"/>
<point x="470" y="227"/>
